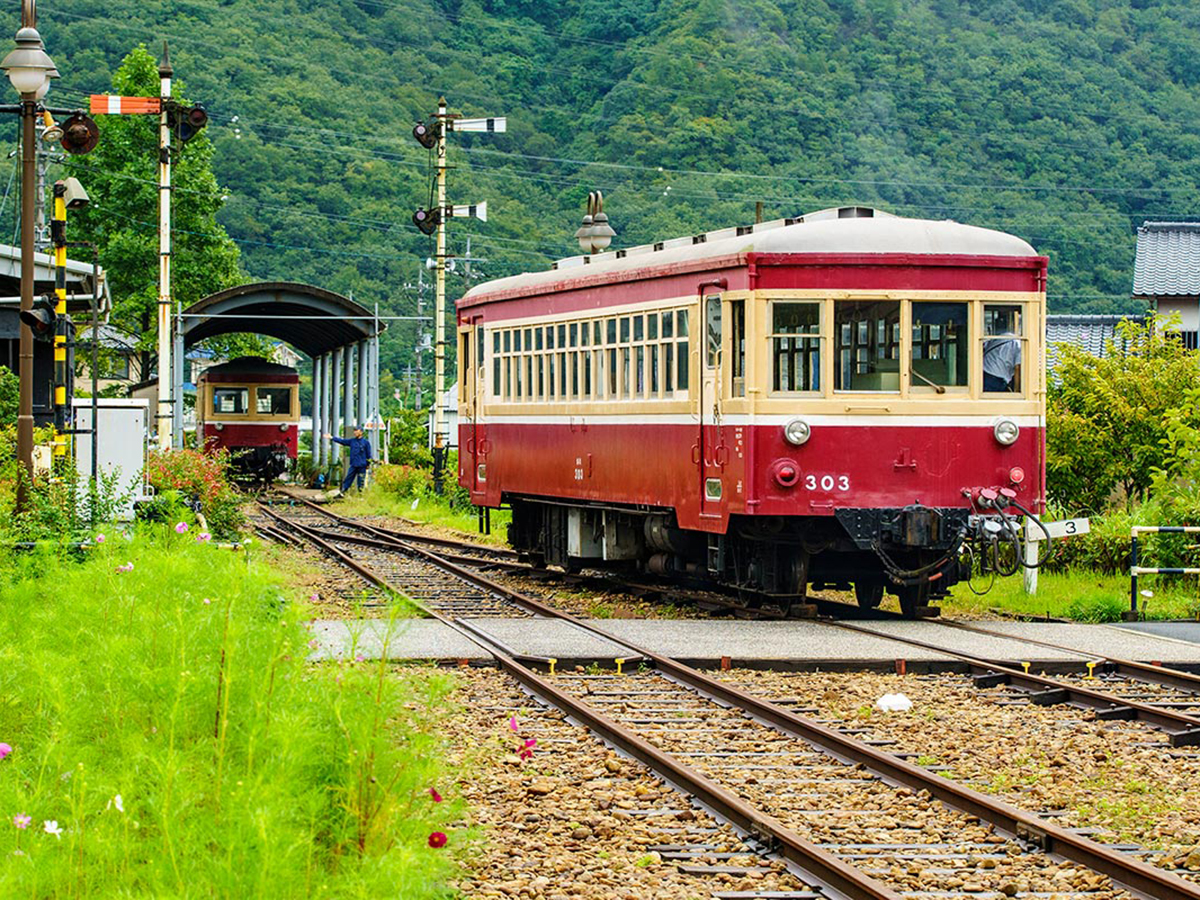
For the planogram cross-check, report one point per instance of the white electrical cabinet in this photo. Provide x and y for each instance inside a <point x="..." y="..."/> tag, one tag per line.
<point x="120" y="446"/>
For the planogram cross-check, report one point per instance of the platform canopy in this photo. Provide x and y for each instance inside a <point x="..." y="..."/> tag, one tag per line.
<point x="311" y="319"/>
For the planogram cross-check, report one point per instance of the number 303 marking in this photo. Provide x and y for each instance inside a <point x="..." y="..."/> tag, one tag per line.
<point x="826" y="482"/>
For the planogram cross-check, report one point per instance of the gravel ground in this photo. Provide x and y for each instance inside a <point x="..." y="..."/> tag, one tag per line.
<point x="1121" y="778"/>
<point x="571" y="821"/>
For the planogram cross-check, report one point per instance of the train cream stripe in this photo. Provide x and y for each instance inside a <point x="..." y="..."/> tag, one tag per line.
<point x="265" y="423"/>
<point x="735" y="421"/>
<point x="496" y="318"/>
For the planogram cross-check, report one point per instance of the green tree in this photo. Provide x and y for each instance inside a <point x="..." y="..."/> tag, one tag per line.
<point x="121" y="176"/>
<point x="1110" y="420"/>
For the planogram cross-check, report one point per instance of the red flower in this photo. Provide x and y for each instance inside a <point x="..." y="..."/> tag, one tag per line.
<point x="437" y="798"/>
<point x="437" y="840"/>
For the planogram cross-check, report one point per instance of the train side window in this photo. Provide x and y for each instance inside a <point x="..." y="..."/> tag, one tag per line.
<point x="868" y="345"/>
<point x="1003" y="348"/>
<point x="712" y="320"/>
<point x="273" y="401"/>
<point x="939" y="345"/>
<point x="681" y="350"/>
<point x="737" y="338"/>
<point x="231" y="401"/>
<point x="508" y="341"/>
<point x="795" y="347"/>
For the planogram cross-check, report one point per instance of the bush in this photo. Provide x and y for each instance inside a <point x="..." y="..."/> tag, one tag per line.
<point x="203" y="478"/>
<point x="409" y="443"/>
<point x="403" y="481"/>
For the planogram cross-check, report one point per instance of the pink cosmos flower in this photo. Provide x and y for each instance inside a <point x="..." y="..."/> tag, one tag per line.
<point x="437" y="840"/>
<point x="207" y="601"/>
<point x="21" y="821"/>
<point x="360" y="658"/>
<point x="531" y="742"/>
<point x="128" y="567"/>
<point x="202" y="537"/>
<point x="181" y="527"/>
<point x="314" y="644"/>
<point x="512" y="724"/>
<point x="433" y="792"/>
<point x="99" y="539"/>
<point x="5" y="749"/>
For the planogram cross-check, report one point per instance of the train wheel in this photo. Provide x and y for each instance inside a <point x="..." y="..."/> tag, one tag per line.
<point x="868" y="593"/>
<point x="913" y="597"/>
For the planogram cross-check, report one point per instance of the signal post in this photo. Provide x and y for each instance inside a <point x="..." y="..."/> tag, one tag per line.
<point x="184" y="123"/>
<point x="428" y="220"/>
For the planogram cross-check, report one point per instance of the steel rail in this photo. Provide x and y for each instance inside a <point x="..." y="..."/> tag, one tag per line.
<point x="1182" y="730"/>
<point x="1135" y="874"/>
<point x="1135" y="671"/>
<point x="805" y="859"/>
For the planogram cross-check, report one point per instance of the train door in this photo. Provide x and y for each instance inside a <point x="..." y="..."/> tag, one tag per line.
<point x="709" y="378"/>
<point x="473" y="438"/>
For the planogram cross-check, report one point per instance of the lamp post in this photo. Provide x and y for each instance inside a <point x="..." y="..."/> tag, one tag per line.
<point x="30" y="69"/>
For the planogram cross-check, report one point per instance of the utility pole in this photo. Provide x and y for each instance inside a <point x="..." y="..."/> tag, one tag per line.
<point x="434" y="138"/>
<point x="165" y="414"/>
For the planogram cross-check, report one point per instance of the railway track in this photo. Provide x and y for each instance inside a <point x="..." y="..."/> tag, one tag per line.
<point x="1170" y="705"/>
<point x="800" y="790"/>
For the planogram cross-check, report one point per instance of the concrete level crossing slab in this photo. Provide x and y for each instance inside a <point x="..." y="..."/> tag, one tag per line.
<point x="705" y="642"/>
<point x="1135" y="642"/>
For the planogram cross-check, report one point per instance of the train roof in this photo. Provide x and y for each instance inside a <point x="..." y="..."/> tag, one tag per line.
<point x="248" y="365"/>
<point x="845" y="230"/>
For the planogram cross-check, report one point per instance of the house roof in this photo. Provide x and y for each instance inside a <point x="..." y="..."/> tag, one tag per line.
<point x="1168" y="260"/>
<point x="1091" y="334"/>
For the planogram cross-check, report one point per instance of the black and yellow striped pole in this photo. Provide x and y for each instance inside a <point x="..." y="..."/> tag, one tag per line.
<point x="58" y="236"/>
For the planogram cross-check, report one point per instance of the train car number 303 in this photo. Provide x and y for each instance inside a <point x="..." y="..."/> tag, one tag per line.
<point x="826" y="482"/>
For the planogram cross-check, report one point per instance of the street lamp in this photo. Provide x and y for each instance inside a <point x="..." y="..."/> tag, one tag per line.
<point x="30" y="69"/>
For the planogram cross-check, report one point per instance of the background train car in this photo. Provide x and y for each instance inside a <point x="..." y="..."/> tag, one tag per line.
<point x="806" y="402"/>
<point x="251" y="407"/>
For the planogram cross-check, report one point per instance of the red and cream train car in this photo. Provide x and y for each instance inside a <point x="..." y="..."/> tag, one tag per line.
<point x="251" y="407"/>
<point x="796" y="403"/>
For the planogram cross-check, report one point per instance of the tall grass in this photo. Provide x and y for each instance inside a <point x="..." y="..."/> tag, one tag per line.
<point x="181" y="687"/>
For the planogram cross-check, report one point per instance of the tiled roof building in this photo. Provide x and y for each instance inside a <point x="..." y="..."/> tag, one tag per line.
<point x="1166" y="272"/>
<point x="1090" y="333"/>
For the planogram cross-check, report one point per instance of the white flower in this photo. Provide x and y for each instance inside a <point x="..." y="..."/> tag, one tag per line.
<point x="117" y="802"/>
<point x="51" y="827"/>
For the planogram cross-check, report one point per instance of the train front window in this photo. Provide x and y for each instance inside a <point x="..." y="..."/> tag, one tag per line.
<point x="795" y="347"/>
<point x="1003" y="348"/>
<point x="273" y="401"/>
<point x="231" y="400"/>
<point x="868" y="345"/>
<point x="939" y="346"/>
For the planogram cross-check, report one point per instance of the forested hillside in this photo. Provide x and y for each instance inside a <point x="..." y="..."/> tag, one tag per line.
<point x="1067" y="122"/>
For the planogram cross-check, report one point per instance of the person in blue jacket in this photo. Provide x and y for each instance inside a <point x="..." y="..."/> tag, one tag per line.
<point x="360" y="457"/>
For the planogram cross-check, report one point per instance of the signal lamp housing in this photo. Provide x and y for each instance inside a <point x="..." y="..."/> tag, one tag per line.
<point x="79" y="134"/>
<point x="427" y="135"/>
<point x="427" y="220"/>
<point x="41" y="317"/>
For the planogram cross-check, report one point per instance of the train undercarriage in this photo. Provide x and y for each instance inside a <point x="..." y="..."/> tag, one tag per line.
<point x="912" y="552"/>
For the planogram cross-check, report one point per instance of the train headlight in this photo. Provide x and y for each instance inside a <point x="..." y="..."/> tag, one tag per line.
<point x="220" y="426"/>
<point x="283" y="426"/>
<point x="797" y="432"/>
<point x="1006" y="432"/>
